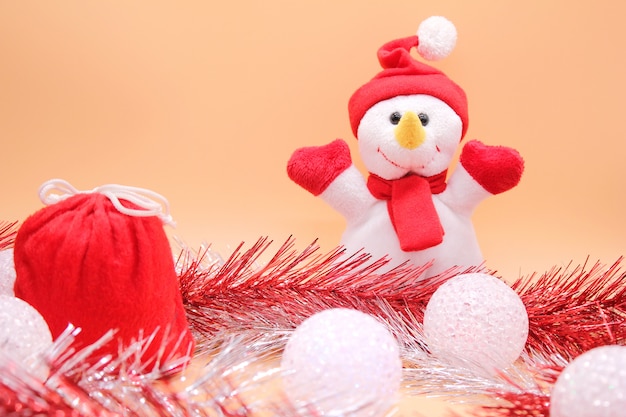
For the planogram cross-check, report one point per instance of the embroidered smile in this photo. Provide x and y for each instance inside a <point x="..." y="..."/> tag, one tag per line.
<point x="390" y="161"/>
<point x="423" y="166"/>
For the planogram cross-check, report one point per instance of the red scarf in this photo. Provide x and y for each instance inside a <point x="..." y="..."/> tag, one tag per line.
<point x="411" y="208"/>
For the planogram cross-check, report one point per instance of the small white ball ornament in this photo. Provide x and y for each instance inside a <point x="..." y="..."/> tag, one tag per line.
<point x="592" y="385"/>
<point x="340" y="359"/>
<point x="23" y="333"/>
<point x="437" y="38"/>
<point x="7" y="272"/>
<point x="476" y="321"/>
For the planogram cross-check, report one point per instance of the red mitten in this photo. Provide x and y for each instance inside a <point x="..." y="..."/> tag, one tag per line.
<point x="100" y="260"/>
<point x="315" y="167"/>
<point x="495" y="168"/>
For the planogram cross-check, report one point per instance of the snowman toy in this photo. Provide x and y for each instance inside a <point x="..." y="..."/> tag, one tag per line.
<point x="409" y="120"/>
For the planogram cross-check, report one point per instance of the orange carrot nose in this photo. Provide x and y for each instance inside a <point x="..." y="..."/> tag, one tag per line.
<point x="410" y="133"/>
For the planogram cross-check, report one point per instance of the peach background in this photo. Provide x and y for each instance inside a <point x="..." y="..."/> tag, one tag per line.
<point x="204" y="101"/>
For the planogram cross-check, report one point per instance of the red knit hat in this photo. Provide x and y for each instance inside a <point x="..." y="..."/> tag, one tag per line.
<point x="404" y="75"/>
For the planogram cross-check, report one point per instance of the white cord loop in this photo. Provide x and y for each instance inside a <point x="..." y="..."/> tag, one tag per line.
<point x="150" y="203"/>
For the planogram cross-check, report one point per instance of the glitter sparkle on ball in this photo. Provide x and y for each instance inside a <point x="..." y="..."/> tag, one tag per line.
<point x="24" y="334"/>
<point x="592" y="385"/>
<point x="7" y="272"/>
<point x="477" y="321"/>
<point x="341" y="360"/>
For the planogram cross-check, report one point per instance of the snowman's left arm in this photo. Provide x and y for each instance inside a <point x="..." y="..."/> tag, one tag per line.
<point x="483" y="171"/>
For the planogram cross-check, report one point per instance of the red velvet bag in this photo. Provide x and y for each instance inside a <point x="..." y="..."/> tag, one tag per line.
<point x="100" y="260"/>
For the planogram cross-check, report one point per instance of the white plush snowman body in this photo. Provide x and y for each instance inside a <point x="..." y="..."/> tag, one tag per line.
<point x="374" y="233"/>
<point x="409" y="121"/>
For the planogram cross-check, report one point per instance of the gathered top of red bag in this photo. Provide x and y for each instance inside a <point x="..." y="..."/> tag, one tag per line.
<point x="100" y="260"/>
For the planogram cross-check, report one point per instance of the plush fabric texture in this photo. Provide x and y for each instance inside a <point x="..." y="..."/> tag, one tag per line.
<point x="411" y="208"/>
<point x="81" y="261"/>
<point x="404" y="75"/>
<point x="315" y="167"/>
<point x="496" y="168"/>
<point x="418" y="219"/>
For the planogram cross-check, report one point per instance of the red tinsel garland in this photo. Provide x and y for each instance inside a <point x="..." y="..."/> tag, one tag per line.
<point x="243" y="309"/>
<point x="524" y="404"/>
<point x="239" y="294"/>
<point x="572" y="311"/>
<point x="8" y="231"/>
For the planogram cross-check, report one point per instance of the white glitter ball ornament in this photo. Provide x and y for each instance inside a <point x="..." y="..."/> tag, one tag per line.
<point x="476" y="321"/>
<point x="23" y="333"/>
<point x="592" y="385"/>
<point x="7" y="272"/>
<point x="343" y="362"/>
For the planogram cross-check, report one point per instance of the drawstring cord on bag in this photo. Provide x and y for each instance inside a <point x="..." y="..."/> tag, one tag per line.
<point x="150" y="203"/>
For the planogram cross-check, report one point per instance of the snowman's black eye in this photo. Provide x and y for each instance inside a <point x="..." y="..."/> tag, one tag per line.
<point x="395" y="118"/>
<point x="423" y="118"/>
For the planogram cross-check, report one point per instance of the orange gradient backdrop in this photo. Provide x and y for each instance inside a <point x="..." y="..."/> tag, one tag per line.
<point x="204" y="101"/>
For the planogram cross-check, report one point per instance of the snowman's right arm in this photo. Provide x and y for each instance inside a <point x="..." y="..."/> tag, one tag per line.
<point x="327" y="171"/>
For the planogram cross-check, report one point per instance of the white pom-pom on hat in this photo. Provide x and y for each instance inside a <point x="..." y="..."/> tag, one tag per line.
<point x="437" y="38"/>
